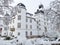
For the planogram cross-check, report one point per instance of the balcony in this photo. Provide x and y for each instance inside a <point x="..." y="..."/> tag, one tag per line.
<point x="12" y="29"/>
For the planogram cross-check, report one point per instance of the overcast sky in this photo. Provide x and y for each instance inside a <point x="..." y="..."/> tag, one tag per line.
<point x="32" y="5"/>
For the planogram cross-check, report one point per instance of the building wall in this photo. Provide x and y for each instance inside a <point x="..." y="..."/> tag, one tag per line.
<point x="1" y="26"/>
<point x="31" y="24"/>
<point x="24" y="26"/>
<point x="40" y="23"/>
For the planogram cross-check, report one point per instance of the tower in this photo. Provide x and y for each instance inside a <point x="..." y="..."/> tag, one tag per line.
<point x="39" y="14"/>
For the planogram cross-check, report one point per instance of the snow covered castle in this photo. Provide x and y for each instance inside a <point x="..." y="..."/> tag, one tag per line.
<point x="16" y="21"/>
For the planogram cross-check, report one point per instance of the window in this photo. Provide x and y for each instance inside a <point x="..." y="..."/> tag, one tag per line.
<point x="6" y="23"/>
<point x="44" y="19"/>
<point x="45" y="29"/>
<point x="39" y="20"/>
<point x="37" y="26"/>
<point x="30" y="20"/>
<point x="18" y="33"/>
<point x="26" y="33"/>
<point x="47" y="19"/>
<point x="10" y="33"/>
<point x="45" y="23"/>
<point x="13" y="20"/>
<point x="5" y="28"/>
<point x="0" y="29"/>
<point x="16" y="40"/>
<point x="26" y="26"/>
<point x="26" y="19"/>
<point x="0" y="34"/>
<point x="5" y="34"/>
<point x="10" y="22"/>
<point x="31" y="33"/>
<point x="30" y="26"/>
<point x="19" y="17"/>
<point x="19" y="25"/>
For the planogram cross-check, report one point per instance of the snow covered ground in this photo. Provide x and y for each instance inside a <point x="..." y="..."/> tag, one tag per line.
<point x="25" y="41"/>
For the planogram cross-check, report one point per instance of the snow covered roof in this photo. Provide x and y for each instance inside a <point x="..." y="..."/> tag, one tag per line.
<point x="29" y="14"/>
<point x="21" y="5"/>
<point x="39" y="11"/>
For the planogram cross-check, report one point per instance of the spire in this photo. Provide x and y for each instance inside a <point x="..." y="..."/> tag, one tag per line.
<point x="40" y="9"/>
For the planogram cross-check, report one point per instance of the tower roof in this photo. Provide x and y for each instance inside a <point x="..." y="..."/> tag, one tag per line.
<point x="41" y="6"/>
<point x="21" y="4"/>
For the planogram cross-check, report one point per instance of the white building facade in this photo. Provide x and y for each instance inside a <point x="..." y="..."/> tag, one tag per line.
<point x="23" y="23"/>
<point x="41" y="20"/>
<point x="1" y="26"/>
